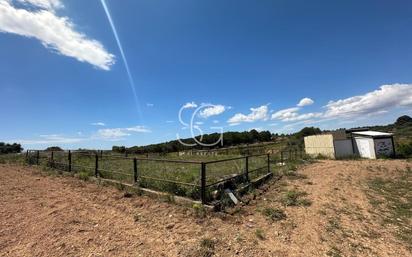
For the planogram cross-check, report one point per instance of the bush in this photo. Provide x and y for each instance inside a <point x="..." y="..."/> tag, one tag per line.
<point x="404" y="150"/>
<point x="274" y="214"/>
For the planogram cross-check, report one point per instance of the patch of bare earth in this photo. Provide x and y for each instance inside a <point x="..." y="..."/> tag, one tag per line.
<point x="43" y="215"/>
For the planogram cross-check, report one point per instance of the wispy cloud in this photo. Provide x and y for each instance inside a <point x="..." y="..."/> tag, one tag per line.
<point x="98" y="124"/>
<point x="189" y="105"/>
<point x="149" y="104"/>
<point x="259" y="113"/>
<point x="52" y="139"/>
<point x="40" y="21"/>
<point x="117" y="134"/>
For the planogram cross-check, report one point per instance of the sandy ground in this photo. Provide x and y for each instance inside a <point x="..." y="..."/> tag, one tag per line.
<point x="46" y="215"/>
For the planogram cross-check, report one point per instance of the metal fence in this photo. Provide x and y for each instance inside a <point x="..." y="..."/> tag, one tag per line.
<point x="199" y="180"/>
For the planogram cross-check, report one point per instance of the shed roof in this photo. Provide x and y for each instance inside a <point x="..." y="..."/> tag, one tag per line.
<point x="372" y="134"/>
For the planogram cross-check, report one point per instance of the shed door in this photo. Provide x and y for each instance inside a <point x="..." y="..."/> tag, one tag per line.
<point x="364" y="148"/>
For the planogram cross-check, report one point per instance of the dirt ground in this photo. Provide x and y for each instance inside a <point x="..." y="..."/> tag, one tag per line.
<point x="52" y="215"/>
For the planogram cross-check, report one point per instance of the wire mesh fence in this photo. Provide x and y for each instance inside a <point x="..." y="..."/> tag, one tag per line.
<point x="195" y="179"/>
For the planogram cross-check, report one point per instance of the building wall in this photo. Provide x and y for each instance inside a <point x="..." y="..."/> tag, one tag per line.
<point x="365" y="147"/>
<point x="343" y="148"/>
<point x="383" y="146"/>
<point x="320" y="144"/>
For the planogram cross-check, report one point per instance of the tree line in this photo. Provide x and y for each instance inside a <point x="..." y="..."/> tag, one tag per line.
<point x="229" y="139"/>
<point x="10" y="148"/>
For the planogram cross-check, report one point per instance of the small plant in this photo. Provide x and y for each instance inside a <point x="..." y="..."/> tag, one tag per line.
<point x="83" y="176"/>
<point x="260" y="234"/>
<point x="207" y="243"/>
<point x="199" y="210"/>
<point x="274" y="214"/>
<point x="334" y="252"/>
<point x="294" y="198"/>
<point x="207" y="246"/>
<point x="136" y="217"/>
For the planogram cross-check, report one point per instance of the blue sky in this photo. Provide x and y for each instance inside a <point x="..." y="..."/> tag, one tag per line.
<point x="271" y="65"/>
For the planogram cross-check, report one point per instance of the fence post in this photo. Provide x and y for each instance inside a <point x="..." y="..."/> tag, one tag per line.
<point x="135" y="170"/>
<point x="101" y="153"/>
<point x="52" y="159"/>
<point x="247" y="168"/>
<point x="70" y="161"/>
<point x="296" y="154"/>
<point x="203" y="183"/>
<point x="27" y="155"/>
<point x="268" y="163"/>
<point x="38" y="157"/>
<point x="96" y="170"/>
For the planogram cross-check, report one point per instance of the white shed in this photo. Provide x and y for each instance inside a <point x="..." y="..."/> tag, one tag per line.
<point x="372" y="144"/>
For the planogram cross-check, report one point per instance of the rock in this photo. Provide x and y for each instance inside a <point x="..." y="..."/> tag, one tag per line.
<point x="170" y="226"/>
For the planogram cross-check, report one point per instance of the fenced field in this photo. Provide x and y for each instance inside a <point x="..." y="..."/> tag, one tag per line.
<point x="196" y="178"/>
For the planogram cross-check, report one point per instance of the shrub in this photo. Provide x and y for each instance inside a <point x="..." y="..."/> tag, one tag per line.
<point x="274" y="214"/>
<point x="294" y="198"/>
<point x="404" y="150"/>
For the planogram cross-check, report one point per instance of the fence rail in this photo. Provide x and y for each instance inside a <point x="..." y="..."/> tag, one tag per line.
<point x="195" y="179"/>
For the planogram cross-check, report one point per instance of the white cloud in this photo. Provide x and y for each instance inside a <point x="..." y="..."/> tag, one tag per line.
<point x="212" y="111"/>
<point x="120" y="133"/>
<point x="199" y="122"/>
<point x="286" y="113"/>
<point x="149" y="105"/>
<point x="98" y="124"/>
<point x="51" y="139"/>
<point x="54" y="32"/>
<point x="215" y="121"/>
<point x="170" y="121"/>
<point x="189" y="105"/>
<point x="305" y="101"/>
<point x="259" y="113"/>
<point x="375" y="102"/>
<point x="45" y="4"/>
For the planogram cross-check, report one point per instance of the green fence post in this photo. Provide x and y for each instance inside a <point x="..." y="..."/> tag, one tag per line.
<point x="203" y="183"/>
<point x="135" y="170"/>
<point x="51" y="159"/>
<point x="96" y="170"/>
<point x="38" y="157"/>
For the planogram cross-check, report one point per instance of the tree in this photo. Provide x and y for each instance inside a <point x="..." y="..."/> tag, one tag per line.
<point x="54" y="149"/>
<point x="401" y="121"/>
<point x="10" y="148"/>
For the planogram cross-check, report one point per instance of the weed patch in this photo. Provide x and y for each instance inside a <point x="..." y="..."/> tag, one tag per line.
<point x="274" y="214"/>
<point x="295" y="198"/>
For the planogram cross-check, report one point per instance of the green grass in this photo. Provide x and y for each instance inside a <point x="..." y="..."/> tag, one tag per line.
<point x="393" y="198"/>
